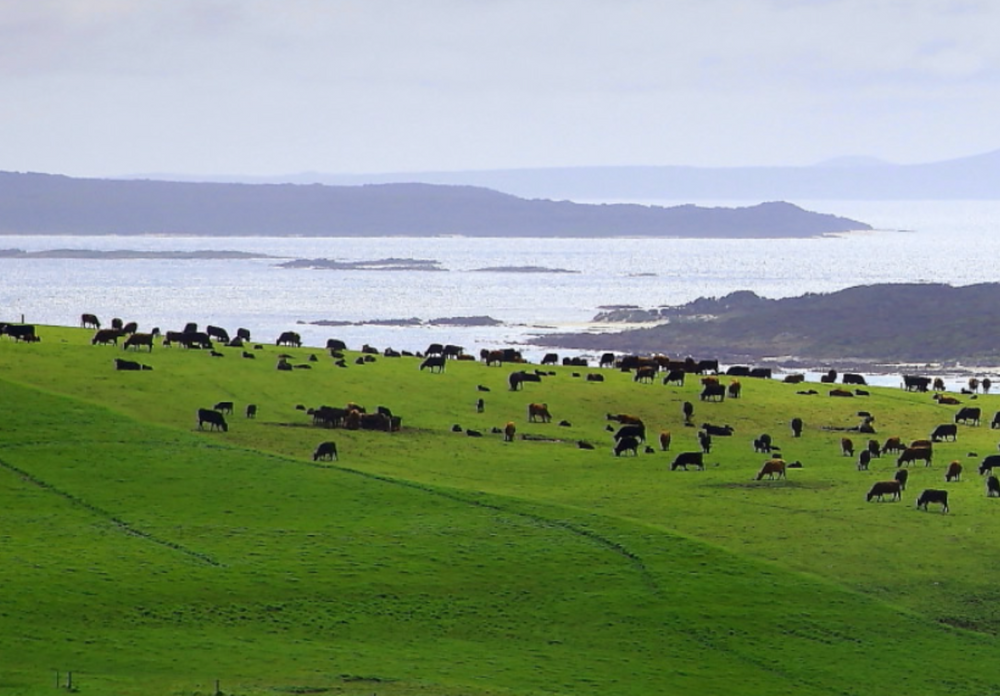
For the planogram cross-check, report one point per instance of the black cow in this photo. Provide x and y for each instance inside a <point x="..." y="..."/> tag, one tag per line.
<point x="130" y="365"/>
<point x="996" y="421"/>
<point x="762" y="443"/>
<point x="627" y="444"/>
<point x="195" y="339"/>
<point x="21" y="332"/>
<point x="738" y="371"/>
<point x="705" y="440"/>
<point x="686" y="459"/>
<point x="594" y="377"/>
<point x="106" y="336"/>
<point x="864" y="459"/>
<point x="516" y="379"/>
<point x="218" y="333"/>
<point x="902" y="475"/>
<point x="993" y="487"/>
<point x="945" y="431"/>
<point x="224" y="407"/>
<point x="137" y="340"/>
<point x="607" y="360"/>
<point x="688" y="409"/>
<point x="289" y="338"/>
<point x="214" y="419"/>
<point x="550" y="359"/>
<point x="636" y="431"/>
<point x="932" y="495"/>
<point x="90" y="321"/>
<point x="713" y="392"/>
<point x="761" y="373"/>
<point x="989" y="463"/>
<point x="969" y="415"/>
<point x="190" y="327"/>
<point x="796" y="427"/>
<point x="883" y="488"/>
<point x="675" y="377"/>
<point x="130" y="328"/>
<point x="434" y="363"/>
<point x="326" y="450"/>
<point x="914" y="454"/>
<point x="243" y="334"/>
<point x="251" y="410"/>
<point x="719" y="430"/>
<point x="853" y="378"/>
<point x="914" y="383"/>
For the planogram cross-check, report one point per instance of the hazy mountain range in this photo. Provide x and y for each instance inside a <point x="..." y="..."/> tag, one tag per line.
<point x="846" y="178"/>
<point x="53" y="204"/>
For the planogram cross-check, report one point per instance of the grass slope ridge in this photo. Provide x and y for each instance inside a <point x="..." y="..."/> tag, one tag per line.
<point x="916" y="322"/>
<point x="47" y="204"/>
<point x="149" y="557"/>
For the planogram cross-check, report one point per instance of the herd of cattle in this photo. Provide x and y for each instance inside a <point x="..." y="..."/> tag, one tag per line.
<point x="628" y="437"/>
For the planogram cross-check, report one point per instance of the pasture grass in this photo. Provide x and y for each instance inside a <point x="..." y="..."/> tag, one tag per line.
<point x="150" y="557"/>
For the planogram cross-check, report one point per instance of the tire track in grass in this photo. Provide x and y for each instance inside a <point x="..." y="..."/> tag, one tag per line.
<point x="117" y="522"/>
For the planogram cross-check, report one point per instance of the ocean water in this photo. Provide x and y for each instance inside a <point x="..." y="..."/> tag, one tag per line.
<point x="955" y="242"/>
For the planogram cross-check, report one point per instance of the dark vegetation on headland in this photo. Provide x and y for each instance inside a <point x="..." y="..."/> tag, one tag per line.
<point x="51" y="204"/>
<point x="929" y="322"/>
<point x="130" y="254"/>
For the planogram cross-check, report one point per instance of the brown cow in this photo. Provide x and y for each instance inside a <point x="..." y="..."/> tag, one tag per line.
<point x="508" y="432"/>
<point x="665" y="440"/>
<point x="847" y="446"/>
<point x="539" y="411"/>
<point x="734" y="389"/>
<point x="771" y="468"/>
<point x="954" y="472"/>
<point x="893" y="444"/>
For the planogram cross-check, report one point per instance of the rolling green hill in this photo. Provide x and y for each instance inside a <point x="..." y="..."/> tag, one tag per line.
<point x="148" y="556"/>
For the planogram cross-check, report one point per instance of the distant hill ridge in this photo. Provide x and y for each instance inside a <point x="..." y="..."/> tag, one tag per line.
<point x="845" y="178"/>
<point x="54" y="204"/>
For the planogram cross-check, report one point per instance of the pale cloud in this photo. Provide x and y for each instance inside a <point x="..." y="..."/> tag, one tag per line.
<point x="264" y="86"/>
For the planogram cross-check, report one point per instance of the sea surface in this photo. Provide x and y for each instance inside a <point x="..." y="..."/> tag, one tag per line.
<point x="956" y="242"/>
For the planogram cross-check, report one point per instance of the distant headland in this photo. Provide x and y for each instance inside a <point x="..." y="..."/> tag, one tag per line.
<point x="45" y="204"/>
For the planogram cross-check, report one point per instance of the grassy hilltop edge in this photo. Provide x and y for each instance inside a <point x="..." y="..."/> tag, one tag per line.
<point x="150" y="557"/>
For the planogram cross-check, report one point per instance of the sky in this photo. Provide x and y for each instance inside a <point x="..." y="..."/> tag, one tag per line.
<point x="270" y="87"/>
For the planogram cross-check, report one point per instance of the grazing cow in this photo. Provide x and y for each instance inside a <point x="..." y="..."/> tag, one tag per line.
<point x="954" y="472"/>
<point x="914" y="383"/>
<point x="218" y="333"/>
<point x="772" y="468"/>
<point x="20" y="332"/>
<point x="224" y="407"/>
<point x="665" y="440"/>
<point x="713" y="392"/>
<point x="627" y="444"/>
<point x="251" y="410"/>
<point x="90" y="321"/>
<point x="550" y="359"/>
<point x="938" y="384"/>
<point x="882" y="488"/>
<point x="508" y="432"/>
<point x="993" y="487"/>
<point x="139" y="339"/>
<point x="480" y="405"/>
<point x="594" y="377"/>
<point x="797" y="378"/>
<point x="946" y="431"/>
<point x="705" y="440"/>
<point x="686" y="459"/>
<point x="864" y="459"/>
<point x="902" y="475"/>
<point x="195" y="339"/>
<point x="130" y="365"/>
<point x="130" y="328"/>
<point x="117" y="323"/>
<point x="761" y="373"/>
<point x="645" y="374"/>
<point x="106" y="336"/>
<point x="987" y="383"/>
<point x="539" y="411"/>
<point x="516" y="379"/>
<point x="719" y="430"/>
<point x="989" y="463"/>
<point x="931" y="495"/>
<point x="289" y="338"/>
<point x="973" y="384"/>
<point x="841" y="392"/>
<point x="243" y="334"/>
<point x="854" y="378"/>
<point x="914" y="454"/>
<point x="734" y="389"/>
<point x="325" y="450"/>
<point x="996" y="421"/>
<point x="214" y="419"/>
<point x="969" y="415"/>
<point x="434" y="363"/>
<point x="636" y="430"/>
<point x="796" y="427"/>
<point x="893" y="444"/>
<point x="847" y="446"/>
<point x="607" y="360"/>
<point x="675" y="377"/>
<point x="688" y="409"/>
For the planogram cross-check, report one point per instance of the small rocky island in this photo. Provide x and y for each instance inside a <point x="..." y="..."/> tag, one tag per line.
<point x="411" y="321"/>
<point x="389" y="264"/>
<point x="522" y="269"/>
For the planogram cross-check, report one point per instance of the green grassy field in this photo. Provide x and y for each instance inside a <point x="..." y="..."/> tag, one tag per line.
<point x="148" y="557"/>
